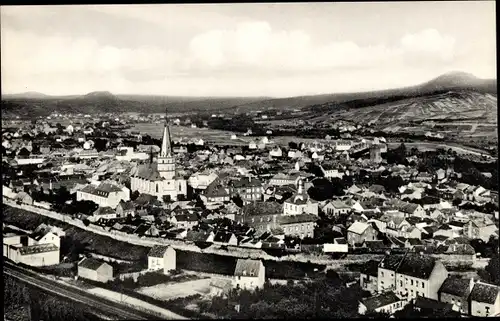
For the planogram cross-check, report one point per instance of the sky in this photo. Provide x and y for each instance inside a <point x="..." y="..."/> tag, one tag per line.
<point x="277" y="50"/>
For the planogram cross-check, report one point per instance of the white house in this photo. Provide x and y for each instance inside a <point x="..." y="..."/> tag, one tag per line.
<point x="162" y="258"/>
<point x="92" y="269"/>
<point x="104" y="195"/>
<point x="249" y="274"/>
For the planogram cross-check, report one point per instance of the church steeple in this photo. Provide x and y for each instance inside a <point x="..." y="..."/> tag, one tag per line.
<point x="166" y="145"/>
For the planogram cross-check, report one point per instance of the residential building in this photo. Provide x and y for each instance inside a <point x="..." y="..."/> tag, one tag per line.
<point x="387" y="302"/>
<point x="412" y="275"/>
<point x="249" y="189"/>
<point x="456" y="291"/>
<point x="359" y="232"/>
<point x="104" y="195"/>
<point x="249" y="274"/>
<point x="162" y="258"/>
<point x="484" y="300"/>
<point x="335" y="208"/>
<point x="95" y="270"/>
<point x="301" y="225"/>
<point x="368" y="276"/>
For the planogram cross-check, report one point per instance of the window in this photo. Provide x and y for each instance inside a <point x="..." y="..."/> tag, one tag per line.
<point x="401" y="283"/>
<point x="411" y="282"/>
<point x="382" y="273"/>
<point x="422" y="284"/>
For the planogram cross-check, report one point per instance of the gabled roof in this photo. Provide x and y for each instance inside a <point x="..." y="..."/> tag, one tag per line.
<point x="375" y="302"/>
<point x="245" y="267"/>
<point x="222" y="236"/>
<point x="456" y="286"/>
<point x="358" y="227"/>
<point x="37" y="248"/>
<point x="416" y="265"/>
<point x="485" y="293"/>
<point x="157" y="251"/>
<point x="91" y="263"/>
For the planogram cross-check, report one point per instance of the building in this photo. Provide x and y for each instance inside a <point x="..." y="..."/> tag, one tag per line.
<point x="201" y="180"/>
<point x="187" y="221"/>
<point x="359" y="232"/>
<point x="104" y="195"/>
<point x="368" y="276"/>
<point x="161" y="178"/>
<point x="281" y="179"/>
<point x="376" y="153"/>
<point x="300" y="202"/>
<point x="249" y="189"/>
<point x="301" y="225"/>
<point x="35" y="255"/>
<point x="95" y="270"/>
<point x="336" y="208"/>
<point x="162" y="258"/>
<point x="11" y="241"/>
<point x="387" y="302"/>
<point x="249" y="274"/>
<point x="484" y="300"/>
<point x="411" y="275"/>
<point x="456" y="291"/>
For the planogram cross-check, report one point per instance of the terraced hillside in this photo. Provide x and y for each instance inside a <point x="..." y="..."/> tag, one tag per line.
<point x="460" y="107"/>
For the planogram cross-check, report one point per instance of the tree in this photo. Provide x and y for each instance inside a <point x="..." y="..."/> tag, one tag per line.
<point x="293" y="145"/>
<point x="134" y="195"/>
<point x="491" y="272"/>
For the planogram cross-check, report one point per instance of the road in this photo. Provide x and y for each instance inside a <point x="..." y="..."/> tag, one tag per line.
<point x="100" y="305"/>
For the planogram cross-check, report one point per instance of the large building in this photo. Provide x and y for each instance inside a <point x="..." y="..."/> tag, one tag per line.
<point x="160" y="179"/>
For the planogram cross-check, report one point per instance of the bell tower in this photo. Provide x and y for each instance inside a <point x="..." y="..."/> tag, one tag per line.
<point x="166" y="160"/>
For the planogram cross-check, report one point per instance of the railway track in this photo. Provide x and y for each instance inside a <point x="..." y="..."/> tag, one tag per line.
<point x="100" y="305"/>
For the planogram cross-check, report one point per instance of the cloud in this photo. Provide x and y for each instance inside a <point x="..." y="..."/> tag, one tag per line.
<point x="256" y="44"/>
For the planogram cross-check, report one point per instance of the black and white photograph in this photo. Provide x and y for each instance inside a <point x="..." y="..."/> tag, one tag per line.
<point x="271" y="160"/>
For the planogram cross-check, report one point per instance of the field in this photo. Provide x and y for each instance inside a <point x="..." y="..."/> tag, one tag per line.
<point x="182" y="132"/>
<point x="172" y="291"/>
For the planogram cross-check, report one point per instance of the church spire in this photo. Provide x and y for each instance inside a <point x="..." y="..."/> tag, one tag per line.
<point x="166" y="145"/>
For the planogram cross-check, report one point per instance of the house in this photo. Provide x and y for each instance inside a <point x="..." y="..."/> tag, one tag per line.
<point x="187" y="221"/>
<point x="102" y="213"/>
<point x="335" y="208"/>
<point x="411" y="275"/>
<point x="480" y="228"/>
<point x="162" y="258"/>
<point x="216" y="193"/>
<point x="249" y="189"/>
<point x="387" y="302"/>
<point x="456" y="291"/>
<point x="125" y="208"/>
<point x="359" y="232"/>
<point x="281" y="179"/>
<point x="95" y="270"/>
<point x="249" y="274"/>
<point x="301" y="225"/>
<point x="431" y="306"/>
<point x="368" y="276"/>
<point x="146" y="230"/>
<point x="484" y="300"/>
<point x="105" y="194"/>
<point x="225" y="238"/>
<point x="46" y="236"/>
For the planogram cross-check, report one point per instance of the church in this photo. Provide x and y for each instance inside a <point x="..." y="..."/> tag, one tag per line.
<point x="160" y="179"/>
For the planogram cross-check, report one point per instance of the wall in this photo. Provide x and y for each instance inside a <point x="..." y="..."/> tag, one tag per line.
<point x="133" y="275"/>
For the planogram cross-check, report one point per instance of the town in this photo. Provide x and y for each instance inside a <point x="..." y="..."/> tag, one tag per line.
<point x="412" y="231"/>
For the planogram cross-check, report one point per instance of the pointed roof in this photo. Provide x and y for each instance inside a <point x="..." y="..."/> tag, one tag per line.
<point x="166" y="145"/>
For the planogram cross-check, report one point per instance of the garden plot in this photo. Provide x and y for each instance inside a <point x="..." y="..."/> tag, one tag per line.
<point x="177" y="290"/>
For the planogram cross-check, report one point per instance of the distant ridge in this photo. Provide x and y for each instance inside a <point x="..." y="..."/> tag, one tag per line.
<point x="104" y="101"/>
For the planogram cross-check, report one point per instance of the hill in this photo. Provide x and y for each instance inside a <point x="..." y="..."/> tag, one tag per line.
<point x="456" y="81"/>
<point x="97" y="102"/>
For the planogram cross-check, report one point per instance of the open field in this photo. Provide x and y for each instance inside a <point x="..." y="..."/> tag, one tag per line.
<point x="177" y="290"/>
